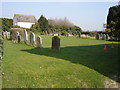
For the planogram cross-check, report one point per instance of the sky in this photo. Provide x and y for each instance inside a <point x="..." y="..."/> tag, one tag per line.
<point x="87" y="15"/>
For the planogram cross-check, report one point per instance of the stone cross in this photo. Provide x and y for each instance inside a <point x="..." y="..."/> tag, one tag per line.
<point x="32" y="38"/>
<point x="55" y="43"/>
<point x="39" y="42"/>
<point x="25" y="36"/>
<point x="17" y="34"/>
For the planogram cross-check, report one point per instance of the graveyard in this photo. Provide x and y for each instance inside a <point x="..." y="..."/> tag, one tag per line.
<point x="59" y="45"/>
<point x="80" y="63"/>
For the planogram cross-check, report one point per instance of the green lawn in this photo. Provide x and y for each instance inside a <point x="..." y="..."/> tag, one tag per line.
<point x="81" y="63"/>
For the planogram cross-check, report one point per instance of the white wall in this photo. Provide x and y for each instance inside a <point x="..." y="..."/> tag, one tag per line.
<point x="24" y="24"/>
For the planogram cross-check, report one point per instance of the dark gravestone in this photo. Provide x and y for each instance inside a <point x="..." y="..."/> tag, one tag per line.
<point x="103" y="37"/>
<point x="55" y="43"/>
<point x="59" y="34"/>
<point x="97" y="36"/>
<point x="19" y="39"/>
<point x="11" y="36"/>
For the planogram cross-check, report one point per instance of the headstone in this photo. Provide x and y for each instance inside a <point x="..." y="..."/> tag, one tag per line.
<point x="59" y="34"/>
<point x="103" y="37"/>
<point x="6" y="34"/>
<point x="32" y="38"/>
<point x="19" y="39"/>
<point x="39" y="42"/>
<point x="17" y="34"/>
<point x="55" y="43"/>
<point x="46" y="32"/>
<point x="52" y="34"/>
<point x="3" y="35"/>
<point x="107" y="37"/>
<point x="79" y="34"/>
<point x="67" y="35"/>
<point x="25" y="36"/>
<point x="11" y="36"/>
<point x="97" y="36"/>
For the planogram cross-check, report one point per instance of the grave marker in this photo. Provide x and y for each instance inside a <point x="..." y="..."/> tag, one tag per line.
<point x="55" y="43"/>
<point x="32" y="39"/>
<point x="39" y="42"/>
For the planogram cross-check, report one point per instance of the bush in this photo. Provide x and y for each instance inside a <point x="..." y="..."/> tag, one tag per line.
<point x="13" y="33"/>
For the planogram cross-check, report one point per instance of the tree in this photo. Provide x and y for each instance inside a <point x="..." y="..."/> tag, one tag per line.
<point x="6" y="24"/>
<point x="35" y="27"/>
<point x="63" y="25"/>
<point x="113" y="21"/>
<point x="43" y="24"/>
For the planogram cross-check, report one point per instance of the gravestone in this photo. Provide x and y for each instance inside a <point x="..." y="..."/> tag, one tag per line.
<point x="52" y="34"/>
<point x="67" y="35"/>
<point x="97" y="36"/>
<point x="55" y="43"/>
<point x="11" y="36"/>
<point x="17" y="34"/>
<point x="19" y="39"/>
<point x="107" y="37"/>
<point x="39" y="42"/>
<point x="3" y="35"/>
<point x="79" y="34"/>
<point x="32" y="39"/>
<point x="6" y="34"/>
<point x="103" y="37"/>
<point x="25" y="36"/>
<point x="59" y="34"/>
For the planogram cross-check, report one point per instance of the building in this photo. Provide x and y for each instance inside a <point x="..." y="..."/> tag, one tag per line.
<point x="25" y="21"/>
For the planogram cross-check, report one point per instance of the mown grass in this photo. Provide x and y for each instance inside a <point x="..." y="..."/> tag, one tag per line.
<point x="81" y="63"/>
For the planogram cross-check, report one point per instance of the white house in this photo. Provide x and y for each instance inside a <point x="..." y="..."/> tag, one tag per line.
<point x="25" y="21"/>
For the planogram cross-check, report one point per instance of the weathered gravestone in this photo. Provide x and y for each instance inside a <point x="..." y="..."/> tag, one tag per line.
<point x="6" y="34"/>
<point x="79" y="34"/>
<point x="67" y="35"/>
<point x="107" y="37"/>
<point x="103" y="37"/>
<point x="3" y="35"/>
<point x="97" y="36"/>
<point x="32" y="39"/>
<point x="17" y="34"/>
<point x="25" y="36"/>
<point x="55" y="43"/>
<point x="39" y="42"/>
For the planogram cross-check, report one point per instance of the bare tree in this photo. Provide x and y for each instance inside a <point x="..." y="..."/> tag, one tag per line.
<point x="60" y="22"/>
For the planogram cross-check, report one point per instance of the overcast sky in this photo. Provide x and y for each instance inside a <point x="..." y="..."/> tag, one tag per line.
<point x="87" y="15"/>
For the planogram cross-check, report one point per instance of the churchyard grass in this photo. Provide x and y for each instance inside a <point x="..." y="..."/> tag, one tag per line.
<point x="80" y="63"/>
